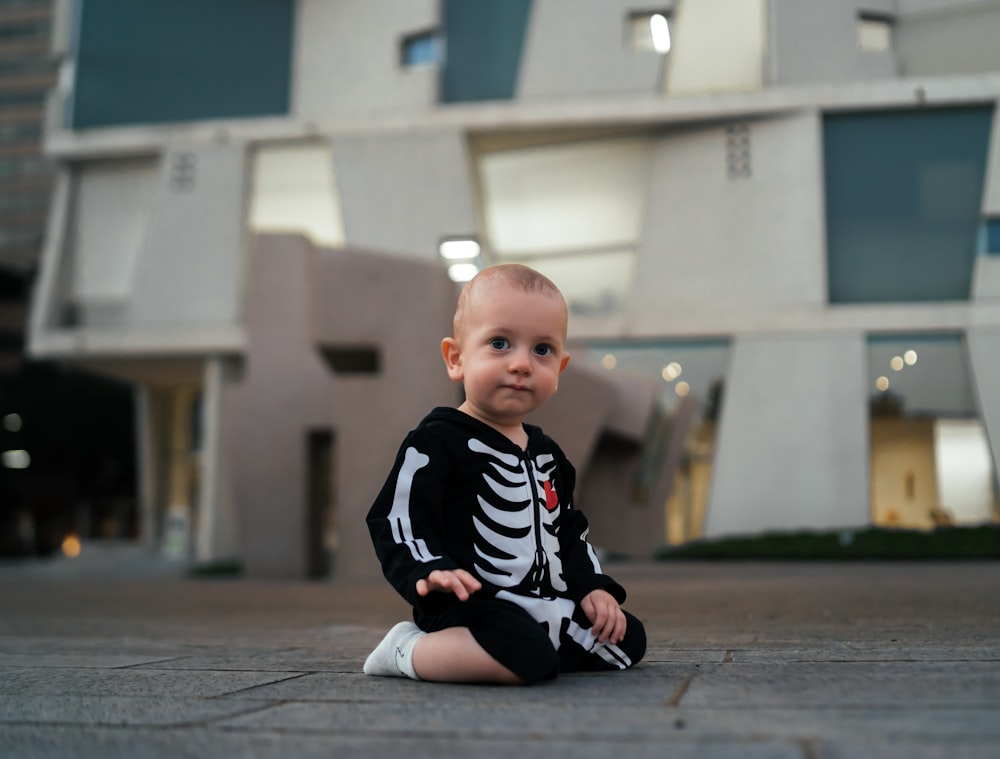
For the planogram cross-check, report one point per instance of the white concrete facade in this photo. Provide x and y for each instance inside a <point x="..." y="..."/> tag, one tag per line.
<point x="724" y="252"/>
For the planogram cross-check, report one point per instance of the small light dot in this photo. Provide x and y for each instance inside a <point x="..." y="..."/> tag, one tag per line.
<point x="896" y="363"/>
<point x="882" y="383"/>
<point x="71" y="546"/>
<point x="682" y="388"/>
<point x="910" y="357"/>
<point x="12" y="422"/>
<point x="609" y="361"/>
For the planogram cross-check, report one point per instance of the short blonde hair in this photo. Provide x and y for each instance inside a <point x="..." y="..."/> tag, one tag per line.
<point x="519" y="276"/>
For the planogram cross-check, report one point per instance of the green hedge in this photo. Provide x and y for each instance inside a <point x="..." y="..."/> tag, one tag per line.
<point x="864" y="543"/>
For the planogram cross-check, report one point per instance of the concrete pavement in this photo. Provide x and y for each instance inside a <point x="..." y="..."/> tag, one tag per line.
<point x="797" y="660"/>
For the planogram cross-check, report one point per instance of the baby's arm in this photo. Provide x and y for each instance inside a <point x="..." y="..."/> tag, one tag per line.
<point x="456" y="581"/>
<point x="605" y="615"/>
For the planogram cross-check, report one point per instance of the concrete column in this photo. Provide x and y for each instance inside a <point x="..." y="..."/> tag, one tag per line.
<point x="793" y="446"/>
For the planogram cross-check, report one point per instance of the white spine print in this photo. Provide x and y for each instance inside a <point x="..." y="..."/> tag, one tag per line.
<point x="549" y="538"/>
<point x="399" y="515"/>
<point x="505" y="533"/>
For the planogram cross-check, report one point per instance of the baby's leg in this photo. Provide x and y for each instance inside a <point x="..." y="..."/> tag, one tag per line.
<point x="604" y="656"/>
<point x="484" y="640"/>
<point x="452" y="655"/>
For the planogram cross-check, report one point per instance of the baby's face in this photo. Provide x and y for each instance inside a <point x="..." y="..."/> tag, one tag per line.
<point x="512" y="350"/>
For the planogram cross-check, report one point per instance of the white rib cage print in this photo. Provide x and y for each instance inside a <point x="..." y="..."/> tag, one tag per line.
<point x="516" y="535"/>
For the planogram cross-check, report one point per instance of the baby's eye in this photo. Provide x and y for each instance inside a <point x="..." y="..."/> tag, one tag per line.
<point x="543" y="349"/>
<point x="499" y="343"/>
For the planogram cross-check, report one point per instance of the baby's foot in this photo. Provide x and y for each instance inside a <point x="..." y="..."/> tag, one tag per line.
<point x="393" y="657"/>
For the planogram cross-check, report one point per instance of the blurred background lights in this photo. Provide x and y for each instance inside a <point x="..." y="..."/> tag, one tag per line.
<point x="12" y="422"/>
<point x="682" y="388"/>
<point x="671" y="371"/>
<point x="71" y="546"/>
<point x="896" y="363"/>
<point x="16" y="459"/>
<point x="452" y="250"/>
<point x="462" y="272"/>
<point x="882" y="383"/>
<point x="608" y="361"/>
<point x="660" y="30"/>
<point x="910" y="357"/>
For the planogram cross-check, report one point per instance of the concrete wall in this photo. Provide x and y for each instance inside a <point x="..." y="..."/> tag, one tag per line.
<point x="792" y="449"/>
<point x="401" y="192"/>
<point x="940" y="37"/>
<point x="346" y="59"/>
<point x="817" y="41"/>
<point x="284" y="391"/>
<point x="181" y="263"/>
<point x="579" y="47"/>
<point x="402" y="309"/>
<point x="983" y="344"/>
<point x="753" y="242"/>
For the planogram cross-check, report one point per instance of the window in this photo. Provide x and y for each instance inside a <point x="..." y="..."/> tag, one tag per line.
<point x="294" y="190"/>
<point x="991" y="237"/>
<point x="649" y="31"/>
<point x="573" y="211"/>
<point x="931" y="461"/>
<point x="874" y="32"/>
<point x="903" y="196"/>
<point x="420" y="49"/>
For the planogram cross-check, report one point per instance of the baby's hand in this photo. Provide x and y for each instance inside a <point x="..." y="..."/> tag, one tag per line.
<point x="605" y="615"/>
<point x="456" y="581"/>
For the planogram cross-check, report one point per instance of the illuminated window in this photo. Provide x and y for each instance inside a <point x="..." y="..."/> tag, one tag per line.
<point x="649" y="30"/>
<point x="573" y="211"/>
<point x="931" y="461"/>
<point x="294" y="191"/>
<point x="874" y="32"/>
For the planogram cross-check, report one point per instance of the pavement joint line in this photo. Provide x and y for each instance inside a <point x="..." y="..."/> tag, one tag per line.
<point x="675" y="698"/>
<point x="150" y="663"/>
<point x="292" y="676"/>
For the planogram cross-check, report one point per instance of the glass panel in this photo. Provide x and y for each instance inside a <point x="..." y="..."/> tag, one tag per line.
<point x="294" y="191"/>
<point x="903" y="199"/>
<point x="581" y="196"/>
<point x="593" y="285"/>
<point x="691" y="375"/>
<point x="421" y="50"/>
<point x="930" y="461"/>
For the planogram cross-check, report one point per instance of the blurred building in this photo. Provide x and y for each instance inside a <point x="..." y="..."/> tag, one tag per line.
<point x="785" y="213"/>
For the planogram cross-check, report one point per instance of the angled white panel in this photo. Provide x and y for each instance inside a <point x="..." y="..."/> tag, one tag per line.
<point x="112" y="210"/>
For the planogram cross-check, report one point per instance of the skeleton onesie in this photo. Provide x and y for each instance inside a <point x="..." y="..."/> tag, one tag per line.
<point x="462" y="495"/>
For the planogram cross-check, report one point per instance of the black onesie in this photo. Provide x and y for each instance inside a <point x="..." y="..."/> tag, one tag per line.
<point x="462" y="495"/>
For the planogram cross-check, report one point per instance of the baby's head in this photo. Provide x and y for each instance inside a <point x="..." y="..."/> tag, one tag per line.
<point x="506" y="277"/>
<point x="508" y="344"/>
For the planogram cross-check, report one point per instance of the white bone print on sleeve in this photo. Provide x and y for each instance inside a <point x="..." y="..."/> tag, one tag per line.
<point x="399" y="515"/>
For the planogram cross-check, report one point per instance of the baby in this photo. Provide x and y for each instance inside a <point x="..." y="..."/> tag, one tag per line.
<point x="475" y="526"/>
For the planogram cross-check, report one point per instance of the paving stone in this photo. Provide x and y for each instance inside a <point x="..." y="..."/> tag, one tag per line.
<point x="98" y="743"/>
<point x="645" y="684"/>
<point x="846" y="684"/>
<point x="115" y="710"/>
<point x="21" y="681"/>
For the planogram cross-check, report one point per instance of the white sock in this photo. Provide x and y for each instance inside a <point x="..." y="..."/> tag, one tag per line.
<point x="393" y="657"/>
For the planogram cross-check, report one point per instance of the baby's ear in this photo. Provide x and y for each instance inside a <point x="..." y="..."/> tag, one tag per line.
<point x="562" y="364"/>
<point x="451" y="352"/>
